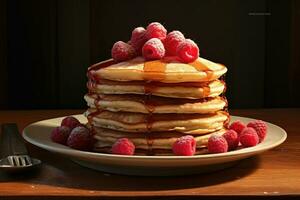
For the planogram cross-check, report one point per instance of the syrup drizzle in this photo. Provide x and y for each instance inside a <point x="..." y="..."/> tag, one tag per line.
<point x="201" y="67"/>
<point x="93" y="79"/>
<point x="153" y="71"/>
<point x="150" y="106"/>
<point x="91" y="85"/>
<point x="209" y="75"/>
<point x="91" y="115"/>
<point x="91" y="72"/>
<point x="90" y="120"/>
<point x="96" y="102"/>
<point x="206" y="91"/>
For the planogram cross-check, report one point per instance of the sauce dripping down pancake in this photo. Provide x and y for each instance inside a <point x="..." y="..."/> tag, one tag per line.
<point x="154" y="73"/>
<point x="153" y="70"/>
<point x="209" y="73"/>
<point x="92" y="83"/>
<point x="91" y="70"/>
<point x="90" y="119"/>
<point x="201" y="67"/>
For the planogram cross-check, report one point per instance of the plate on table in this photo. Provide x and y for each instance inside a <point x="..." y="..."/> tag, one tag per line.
<point x="38" y="134"/>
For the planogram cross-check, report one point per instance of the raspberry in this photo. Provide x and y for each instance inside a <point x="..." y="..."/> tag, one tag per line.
<point x="237" y="126"/>
<point x="123" y="146"/>
<point x="249" y="137"/>
<point x="80" y="138"/>
<point x="156" y="30"/>
<point x="60" y="134"/>
<point x="138" y="39"/>
<point x="217" y="144"/>
<point x="232" y="139"/>
<point x="260" y="128"/>
<point x="153" y="49"/>
<point x="70" y="122"/>
<point x="184" y="146"/>
<point x="187" y="51"/>
<point x="172" y="41"/>
<point x="122" y="51"/>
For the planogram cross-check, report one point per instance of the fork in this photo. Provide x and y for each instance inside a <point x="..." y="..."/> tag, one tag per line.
<point x="13" y="149"/>
<point x="19" y="161"/>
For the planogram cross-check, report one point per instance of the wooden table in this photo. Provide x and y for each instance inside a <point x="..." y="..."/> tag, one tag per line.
<point x="275" y="173"/>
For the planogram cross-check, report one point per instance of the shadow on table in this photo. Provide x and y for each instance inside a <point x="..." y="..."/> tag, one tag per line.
<point x="59" y="171"/>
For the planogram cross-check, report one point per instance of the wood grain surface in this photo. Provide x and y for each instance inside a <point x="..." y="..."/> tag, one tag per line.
<point x="271" y="175"/>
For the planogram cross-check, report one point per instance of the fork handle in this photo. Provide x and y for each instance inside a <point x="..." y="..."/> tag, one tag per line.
<point x="11" y="142"/>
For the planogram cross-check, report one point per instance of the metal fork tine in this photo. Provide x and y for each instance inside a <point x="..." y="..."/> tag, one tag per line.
<point x="16" y="159"/>
<point x="28" y="160"/>
<point x="10" y="160"/>
<point x="23" y="161"/>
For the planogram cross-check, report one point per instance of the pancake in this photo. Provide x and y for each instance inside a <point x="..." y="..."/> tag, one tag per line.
<point x="154" y="104"/>
<point x="167" y="70"/>
<point x="140" y="123"/>
<point x="205" y="89"/>
<point x="162" y="140"/>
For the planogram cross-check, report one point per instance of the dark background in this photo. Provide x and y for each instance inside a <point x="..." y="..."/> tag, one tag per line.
<point x="46" y="46"/>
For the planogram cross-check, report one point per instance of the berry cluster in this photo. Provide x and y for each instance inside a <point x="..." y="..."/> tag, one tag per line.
<point x="77" y="136"/>
<point x="155" y="43"/>
<point x="238" y="133"/>
<point x="249" y="136"/>
<point x="72" y="133"/>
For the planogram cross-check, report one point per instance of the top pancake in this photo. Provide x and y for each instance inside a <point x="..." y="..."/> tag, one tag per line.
<point x="167" y="70"/>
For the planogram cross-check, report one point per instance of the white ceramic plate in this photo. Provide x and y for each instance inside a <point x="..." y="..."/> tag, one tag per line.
<point x="39" y="134"/>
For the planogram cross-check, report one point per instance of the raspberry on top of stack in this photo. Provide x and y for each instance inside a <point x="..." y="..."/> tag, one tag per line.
<point x="156" y="96"/>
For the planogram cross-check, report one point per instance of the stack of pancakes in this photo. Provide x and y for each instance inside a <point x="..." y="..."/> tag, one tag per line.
<point x="153" y="103"/>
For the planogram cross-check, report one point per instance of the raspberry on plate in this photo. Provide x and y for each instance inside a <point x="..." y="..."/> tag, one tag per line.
<point x="122" y="51"/>
<point x="138" y="39"/>
<point x="123" y="146"/>
<point x="249" y="137"/>
<point x="70" y="122"/>
<point x="237" y="126"/>
<point x="260" y="128"/>
<point x="217" y="144"/>
<point x="153" y="49"/>
<point x="156" y="30"/>
<point x="187" y="51"/>
<point x="172" y="41"/>
<point x="232" y="139"/>
<point x="184" y="146"/>
<point x="60" y="134"/>
<point x="80" y="138"/>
